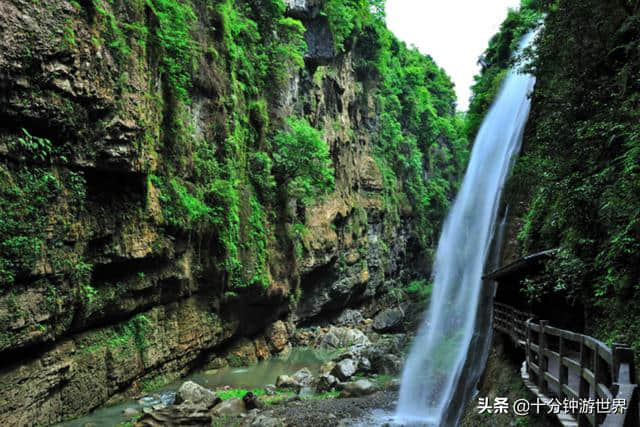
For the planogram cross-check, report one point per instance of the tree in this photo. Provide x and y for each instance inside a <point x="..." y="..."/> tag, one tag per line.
<point x="301" y="161"/>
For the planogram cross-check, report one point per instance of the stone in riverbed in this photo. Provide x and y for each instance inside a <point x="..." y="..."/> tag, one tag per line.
<point x="364" y="365"/>
<point x="285" y="381"/>
<point x="345" y="369"/>
<point x="358" y="388"/>
<point x="130" y="412"/>
<point x="303" y="377"/>
<point x="326" y="382"/>
<point x="327" y="367"/>
<point x="180" y="415"/>
<point x="230" y="408"/>
<point x="388" y="364"/>
<point x="196" y="394"/>
<point x="251" y="401"/>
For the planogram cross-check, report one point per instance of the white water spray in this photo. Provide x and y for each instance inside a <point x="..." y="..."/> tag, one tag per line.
<point x="432" y="373"/>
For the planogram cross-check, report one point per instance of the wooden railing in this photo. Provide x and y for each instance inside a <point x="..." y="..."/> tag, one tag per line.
<point x="577" y="367"/>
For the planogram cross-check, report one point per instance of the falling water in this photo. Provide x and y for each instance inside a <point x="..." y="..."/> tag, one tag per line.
<point x="432" y="375"/>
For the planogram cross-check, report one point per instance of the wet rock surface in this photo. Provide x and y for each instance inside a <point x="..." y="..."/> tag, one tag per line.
<point x="194" y="394"/>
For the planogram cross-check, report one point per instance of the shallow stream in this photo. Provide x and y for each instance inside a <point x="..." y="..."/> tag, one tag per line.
<point x="250" y="377"/>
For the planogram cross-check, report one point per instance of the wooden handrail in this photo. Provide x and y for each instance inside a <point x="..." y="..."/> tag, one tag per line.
<point x="557" y="359"/>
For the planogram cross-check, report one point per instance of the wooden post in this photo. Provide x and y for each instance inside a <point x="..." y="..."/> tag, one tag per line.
<point x="598" y="378"/>
<point x="542" y="359"/>
<point x="563" y="371"/>
<point x="528" y="352"/>
<point x="583" y="388"/>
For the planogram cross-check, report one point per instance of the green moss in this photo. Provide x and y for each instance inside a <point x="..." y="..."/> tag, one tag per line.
<point x="124" y="339"/>
<point x="152" y="384"/>
<point x="174" y="35"/>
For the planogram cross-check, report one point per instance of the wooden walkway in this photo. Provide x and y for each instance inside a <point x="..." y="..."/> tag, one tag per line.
<point x="586" y="382"/>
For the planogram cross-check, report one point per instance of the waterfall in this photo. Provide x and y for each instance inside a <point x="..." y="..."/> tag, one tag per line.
<point x="432" y="379"/>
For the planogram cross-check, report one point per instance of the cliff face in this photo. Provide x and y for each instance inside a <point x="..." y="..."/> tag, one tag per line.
<point x="146" y="228"/>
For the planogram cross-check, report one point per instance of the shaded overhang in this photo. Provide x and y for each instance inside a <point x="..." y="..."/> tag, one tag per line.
<point x="519" y="266"/>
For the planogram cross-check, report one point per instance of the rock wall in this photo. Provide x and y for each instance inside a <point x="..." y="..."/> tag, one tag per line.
<point x="100" y="298"/>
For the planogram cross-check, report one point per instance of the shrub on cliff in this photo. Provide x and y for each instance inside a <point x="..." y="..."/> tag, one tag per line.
<point x="302" y="162"/>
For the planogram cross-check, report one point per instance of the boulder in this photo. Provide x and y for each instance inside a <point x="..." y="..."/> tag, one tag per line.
<point x="343" y="337"/>
<point x="349" y="318"/>
<point x="389" y="320"/>
<point x="327" y="367"/>
<point x="285" y="381"/>
<point x="262" y="349"/>
<point x="131" y="412"/>
<point x="345" y="369"/>
<point x="364" y="365"/>
<point x="177" y="415"/>
<point x="251" y="401"/>
<point x="358" y="388"/>
<point x="388" y="364"/>
<point x="303" y="377"/>
<point x="393" y="385"/>
<point x="277" y="336"/>
<point x="230" y="408"/>
<point x="196" y="394"/>
<point x="326" y="382"/>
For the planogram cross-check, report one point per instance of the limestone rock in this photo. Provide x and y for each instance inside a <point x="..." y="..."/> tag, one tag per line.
<point x="262" y="349"/>
<point x="388" y="364"/>
<point x="184" y="415"/>
<point x="285" y="381"/>
<point x="358" y="388"/>
<point x="327" y="367"/>
<point x="270" y="389"/>
<point x="303" y="377"/>
<point x="194" y="393"/>
<point x="130" y="412"/>
<point x="342" y="337"/>
<point x="326" y="382"/>
<point x="242" y="353"/>
<point x="251" y="401"/>
<point x="277" y="336"/>
<point x="349" y="317"/>
<point x="389" y="320"/>
<point x="230" y="408"/>
<point x="345" y="369"/>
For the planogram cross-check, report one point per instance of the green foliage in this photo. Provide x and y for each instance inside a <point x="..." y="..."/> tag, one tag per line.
<point x="25" y="196"/>
<point x="421" y="289"/>
<point x="33" y="148"/>
<point x="238" y="393"/>
<point x="176" y="19"/>
<point x="152" y="384"/>
<point x="347" y="17"/>
<point x="124" y="339"/>
<point x="497" y="60"/>
<point x="301" y="161"/>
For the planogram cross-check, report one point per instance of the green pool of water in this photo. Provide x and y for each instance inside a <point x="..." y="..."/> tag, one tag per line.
<point x="250" y="377"/>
